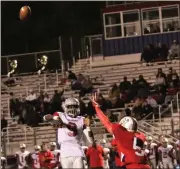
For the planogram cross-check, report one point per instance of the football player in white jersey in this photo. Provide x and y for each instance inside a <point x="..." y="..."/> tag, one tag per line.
<point x="22" y="156"/>
<point x="166" y="155"/>
<point x="34" y="158"/>
<point x="73" y="130"/>
<point x="152" y="152"/>
<point x="106" y="153"/>
<point x="56" y="160"/>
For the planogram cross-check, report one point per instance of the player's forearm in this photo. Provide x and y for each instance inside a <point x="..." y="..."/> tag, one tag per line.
<point x="88" y="135"/>
<point x="104" y="120"/>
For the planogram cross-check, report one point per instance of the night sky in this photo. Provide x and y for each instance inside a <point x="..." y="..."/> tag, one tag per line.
<point x="48" y="21"/>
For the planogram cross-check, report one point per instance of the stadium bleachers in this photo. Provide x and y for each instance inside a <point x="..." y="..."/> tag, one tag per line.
<point x="104" y="75"/>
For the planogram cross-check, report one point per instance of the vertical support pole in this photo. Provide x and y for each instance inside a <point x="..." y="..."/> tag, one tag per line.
<point x="45" y="87"/>
<point x="71" y="47"/>
<point x="60" y="50"/>
<point x="57" y="79"/>
<point x="7" y="62"/>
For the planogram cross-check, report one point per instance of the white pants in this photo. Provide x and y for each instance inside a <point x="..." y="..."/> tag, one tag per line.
<point x="167" y="164"/>
<point x="153" y="163"/>
<point x="72" y="162"/>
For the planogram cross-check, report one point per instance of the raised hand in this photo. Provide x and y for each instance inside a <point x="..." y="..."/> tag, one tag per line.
<point x="94" y="99"/>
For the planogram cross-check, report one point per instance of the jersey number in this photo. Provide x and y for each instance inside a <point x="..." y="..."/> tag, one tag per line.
<point x="138" y="150"/>
<point x="73" y="130"/>
<point x="165" y="154"/>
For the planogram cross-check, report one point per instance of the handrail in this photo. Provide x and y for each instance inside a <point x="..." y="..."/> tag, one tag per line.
<point x="143" y="123"/>
<point x="149" y="134"/>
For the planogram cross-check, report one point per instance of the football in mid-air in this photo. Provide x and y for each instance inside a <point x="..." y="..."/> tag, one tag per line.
<point x="24" y="12"/>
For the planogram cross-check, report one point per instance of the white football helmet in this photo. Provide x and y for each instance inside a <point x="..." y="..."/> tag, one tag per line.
<point x="129" y="123"/>
<point x="71" y="107"/>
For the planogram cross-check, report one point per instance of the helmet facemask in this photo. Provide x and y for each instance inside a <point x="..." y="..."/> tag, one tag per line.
<point x="72" y="110"/>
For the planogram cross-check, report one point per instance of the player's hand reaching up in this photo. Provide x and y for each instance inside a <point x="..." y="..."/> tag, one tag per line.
<point x="94" y="99"/>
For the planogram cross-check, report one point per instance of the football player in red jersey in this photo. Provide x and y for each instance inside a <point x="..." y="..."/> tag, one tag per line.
<point x="129" y="141"/>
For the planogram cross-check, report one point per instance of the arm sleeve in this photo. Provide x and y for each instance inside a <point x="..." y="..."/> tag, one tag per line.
<point x="104" y="120"/>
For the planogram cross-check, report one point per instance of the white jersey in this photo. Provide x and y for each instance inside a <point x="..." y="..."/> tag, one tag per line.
<point x="152" y="150"/>
<point x="165" y="152"/>
<point x="3" y="162"/>
<point x="71" y="141"/>
<point x="35" y="158"/>
<point x="106" y="161"/>
<point x="22" y="158"/>
<point x="56" y="158"/>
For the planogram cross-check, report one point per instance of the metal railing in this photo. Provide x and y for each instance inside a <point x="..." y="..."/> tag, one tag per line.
<point x="152" y="130"/>
<point x="12" y="137"/>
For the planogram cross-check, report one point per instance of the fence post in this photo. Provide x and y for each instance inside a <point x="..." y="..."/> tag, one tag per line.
<point x="45" y="82"/>
<point x="60" y="49"/>
<point x="79" y="55"/>
<point x="8" y="102"/>
<point x="172" y="111"/>
<point x="62" y="68"/>
<point x="4" y="145"/>
<point x="27" y="91"/>
<point x="177" y="97"/>
<point x="68" y="66"/>
<point x="35" y="141"/>
<point x="160" y="115"/>
<point x="74" y="63"/>
<point x="57" y="80"/>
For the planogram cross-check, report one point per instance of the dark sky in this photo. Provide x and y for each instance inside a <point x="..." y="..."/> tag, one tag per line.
<point x="48" y="21"/>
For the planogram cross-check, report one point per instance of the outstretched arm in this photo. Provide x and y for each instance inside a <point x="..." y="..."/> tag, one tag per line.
<point x="102" y="117"/>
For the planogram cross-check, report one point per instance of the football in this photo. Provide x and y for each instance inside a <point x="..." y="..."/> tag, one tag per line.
<point x="24" y="12"/>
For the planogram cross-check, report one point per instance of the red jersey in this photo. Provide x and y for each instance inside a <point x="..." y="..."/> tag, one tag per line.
<point x="119" y="157"/>
<point x="131" y="145"/>
<point x="95" y="156"/>
<point x="45" y="159"/>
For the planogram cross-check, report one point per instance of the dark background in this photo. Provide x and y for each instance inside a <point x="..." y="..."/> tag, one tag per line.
<point x="48" y="21"/>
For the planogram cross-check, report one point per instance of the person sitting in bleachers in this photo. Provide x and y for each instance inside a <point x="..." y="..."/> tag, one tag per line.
<point x="56" y="101"/>
<point x="125" y="85"/>
<point x="161" y="72"/>
<point x="173" y="78"/>
<point x="161" y="52"/>
<point x="71" y="76"/>
<point x="148" y="54"/>
<point x="174" y="50"/>
<point x="4" y="122"/>
<point x="160" y="81"/>
<point x="32" y="96"/>
<point x="14" y="105"/>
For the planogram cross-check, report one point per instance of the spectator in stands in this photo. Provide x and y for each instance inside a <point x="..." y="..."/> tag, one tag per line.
<point x="87" y="86"/>
<point x="160" y="97"/>
<point x="57" y="101"/>
<point x="173" y="79"/>
<point x="133" y="90"/>
<point x="142" y="87"/>
<point x="161" y="72"/>
<point x="14" y="105"/>
<point x="151" y="101"/>
<point x="174" y="50"/>
<point x="71" y="76"/>
<point x="32" y="96"/>
<point x="4" y="122"/>
<point x="141" y="108"/>
<point x="149" y="53"/>
<point x="161" y="52"/>
<point x="47" y="101"/>
<point x="77" y="84"/>
<point x="160" y="80"/>
<point x="114" y="96"/>
<point x="125" y="85"/>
